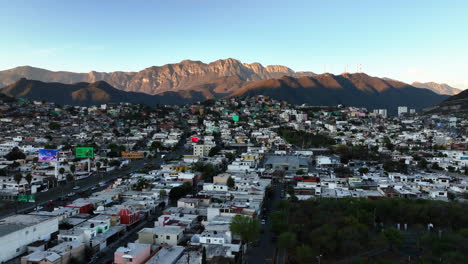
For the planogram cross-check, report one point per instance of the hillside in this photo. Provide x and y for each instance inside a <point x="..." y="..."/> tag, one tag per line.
<point x="83" y="93"/>
<point x="440" y="88"/>
<point x="357" y="89"/>
<point x="454" y="104"/>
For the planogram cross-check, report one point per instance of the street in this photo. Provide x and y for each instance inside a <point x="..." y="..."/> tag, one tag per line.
<point x="265" y="251"/>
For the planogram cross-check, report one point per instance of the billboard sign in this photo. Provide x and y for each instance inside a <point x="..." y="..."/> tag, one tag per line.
<point x="26" y="198"/>
<point x="84" y="152"/>
<point x="195" y="139"/>
<point x="48" y="155"/>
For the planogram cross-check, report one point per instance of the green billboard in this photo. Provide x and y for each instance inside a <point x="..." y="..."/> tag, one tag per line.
<point x="26" y="198"/>
<point x="84" y="152"/>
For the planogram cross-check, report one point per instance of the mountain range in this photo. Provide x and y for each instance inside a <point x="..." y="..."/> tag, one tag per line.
<point x="86" y="94"/>
<point x="187" y="75"/>
<point x="440" y="88"/>
<point x="190" y="81"/>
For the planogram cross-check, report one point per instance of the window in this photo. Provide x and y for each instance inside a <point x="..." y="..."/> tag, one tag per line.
<point x="168" y="237"/>
<point x="156" y="236"/>
<point x="208" y="241"/>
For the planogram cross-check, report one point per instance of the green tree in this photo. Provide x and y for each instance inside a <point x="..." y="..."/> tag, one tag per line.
<point x="393" y="237"/>
<point x="70" y="178"/>
<point x="287" y="240"/>
<point x="29" y="179"/>
<point x="231" y="183"/>
<point x="18" y="177"/>
<point x="278" y="222"/>
<point x="214" y="151"/>
<point x="363" y="170"/>
<point x="61" y="171"/>
<point x="304" y="254"/>
<point x="247" y="228"/>
<point x="54" y="126"/>
<point x="300" y="172"/>
<point x="15" y="154"/>
<point x="422" y="164"/>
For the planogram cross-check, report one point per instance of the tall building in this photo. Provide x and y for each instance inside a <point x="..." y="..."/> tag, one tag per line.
<point x="402" y="110"/>
<point x="381" y="112"/>
<point x="202" y="150"/>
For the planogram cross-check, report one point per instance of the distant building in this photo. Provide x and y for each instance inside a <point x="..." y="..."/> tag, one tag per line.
<point x="202" y="150"/>
<point x="402" y="110"/>
<point x="288" y="164"/>
<point x="381" y="112"/>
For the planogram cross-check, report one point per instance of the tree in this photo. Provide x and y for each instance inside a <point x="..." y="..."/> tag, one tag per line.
<point x="70" y="178"/>
<point x="422" y="164"/>
<point x="300" y="172"/>
<point x="18" y="177"/>
<point x="287" y="240"/>
<point x="214" y="151"/>
<point x="363" y="170"/>
<point x="15" y="154"/>
<point x="54" y="126"/>
<point x="393" y="237"/>
<point x="231" y="183"/>
<point x="29" y="179"/>
<point x="203" y="259"/>
<point x="246" y="227"/>
<point x="73" y="169"/>
<point x="304" y="254"/>
<point x="278" y="222"/>
<point x="155" y="145"/>
<point x="61" y="172"/>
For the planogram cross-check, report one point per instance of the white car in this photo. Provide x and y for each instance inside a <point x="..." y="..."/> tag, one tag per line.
<point x="76" y="188"/>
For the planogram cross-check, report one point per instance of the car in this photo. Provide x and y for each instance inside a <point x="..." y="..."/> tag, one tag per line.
<point x="263" y="221"/>
<point x="45" y="190"/>
<point x="71" y="194"/>
<point x="102" y="184"/>
<point x="76" y="188"/>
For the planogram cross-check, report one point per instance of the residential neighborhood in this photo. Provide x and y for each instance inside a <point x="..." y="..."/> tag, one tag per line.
<point x="198" y="183"/>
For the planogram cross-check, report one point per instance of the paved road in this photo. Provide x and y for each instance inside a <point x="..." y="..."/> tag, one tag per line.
<point x="265" y="251"/>
<point x="86" y="184"/>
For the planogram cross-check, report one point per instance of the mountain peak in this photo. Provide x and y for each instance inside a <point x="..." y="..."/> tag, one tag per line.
<point x="440" y="88"/>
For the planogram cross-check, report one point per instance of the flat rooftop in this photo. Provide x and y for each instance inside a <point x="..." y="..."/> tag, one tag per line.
<point x="14" y="223"/>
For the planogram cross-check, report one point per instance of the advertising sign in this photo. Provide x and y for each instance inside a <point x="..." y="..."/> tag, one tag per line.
<point x="84" y="152"/>
<point x="235" y="118"/>
<point x="26" y="198"/>
<point x="48" y="155"/>
<point x="195" y="139"/>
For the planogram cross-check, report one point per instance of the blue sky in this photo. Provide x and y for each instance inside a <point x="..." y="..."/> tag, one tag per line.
<point x="406" y="40"/>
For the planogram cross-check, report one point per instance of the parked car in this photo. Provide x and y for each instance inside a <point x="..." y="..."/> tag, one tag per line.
<point x="76" y="188"/>
<point x="71" y="194"/>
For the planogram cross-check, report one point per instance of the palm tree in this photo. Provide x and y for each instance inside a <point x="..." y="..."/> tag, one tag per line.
<point x="98" y="166"/>
<point x="73" y="169"/>
<point x="18" y="177"/>
<point x="70" y="178"/>
<point x="61" y="172"/>
<point x="29" y="179"/>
